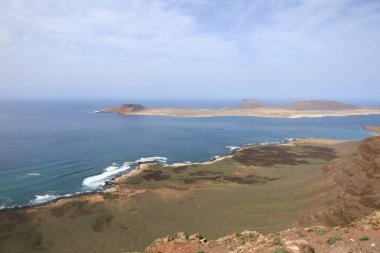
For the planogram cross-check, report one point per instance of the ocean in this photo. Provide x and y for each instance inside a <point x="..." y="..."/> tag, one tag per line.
<point x="50" y="149"/>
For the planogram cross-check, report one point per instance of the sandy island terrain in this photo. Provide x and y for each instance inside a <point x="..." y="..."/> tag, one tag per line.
<point x="311" y="109"/>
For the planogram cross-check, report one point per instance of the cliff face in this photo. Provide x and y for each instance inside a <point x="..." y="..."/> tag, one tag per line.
<point x="352" y="224"/>
<point x="356" y="181"/>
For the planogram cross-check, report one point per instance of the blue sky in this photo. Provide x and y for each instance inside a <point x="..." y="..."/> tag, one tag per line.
<point x="200" y="49"/>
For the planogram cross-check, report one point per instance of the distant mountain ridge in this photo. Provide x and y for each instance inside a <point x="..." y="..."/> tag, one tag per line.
<point x="301" y="105"/>
<point x="321" y="105"/>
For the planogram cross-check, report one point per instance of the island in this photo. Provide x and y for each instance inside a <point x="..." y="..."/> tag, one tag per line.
<point x="253" y="107"/>
<point x="308" y="194"/>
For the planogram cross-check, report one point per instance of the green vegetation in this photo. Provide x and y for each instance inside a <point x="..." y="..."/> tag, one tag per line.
<point x="109" y="195"/>
<point x="363" y="238"/>
<point x="233" y="170"/>
<point x="280" y="250"/>
<point x="101" y="222"/>
<point x="201" y="251"/>
<point x="333" y="239"/>
<point x="277" y="241"/>
<point x="320" y="230"/>
<point x="300" y="234"/>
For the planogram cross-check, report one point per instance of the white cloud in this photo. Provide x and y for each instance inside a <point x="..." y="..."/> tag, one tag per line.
<point x="71" y="45"/>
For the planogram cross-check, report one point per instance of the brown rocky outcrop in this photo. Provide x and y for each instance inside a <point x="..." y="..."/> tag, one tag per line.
<point x="362" y="235"/>
<point x="355" y="185"/>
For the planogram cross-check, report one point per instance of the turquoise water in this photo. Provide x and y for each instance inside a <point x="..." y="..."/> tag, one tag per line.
<point x="49" y="148"/>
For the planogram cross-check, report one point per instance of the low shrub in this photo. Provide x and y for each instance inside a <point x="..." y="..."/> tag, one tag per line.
<point x="333" y="239"/>
<point x="277" y="241"/>
<point x="363" y="238"/>
<point x="280" y="250"/>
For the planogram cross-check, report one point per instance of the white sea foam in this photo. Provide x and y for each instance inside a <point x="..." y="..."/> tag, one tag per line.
<point x="232" y="148"/>
<point x="309" y="116"/>
<point x="152" y="159"/>
<point x="34" y="174"/>
<point x="99" y="180"/>
<point x="38" y="199"/>
<point x="4" y="202"/>
<point x="269" y="143"/>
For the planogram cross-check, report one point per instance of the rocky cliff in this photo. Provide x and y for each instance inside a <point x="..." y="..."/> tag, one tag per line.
<point x="355" y="184"/>
<point x="351" y="225"/>
<point x="362" y="235"/>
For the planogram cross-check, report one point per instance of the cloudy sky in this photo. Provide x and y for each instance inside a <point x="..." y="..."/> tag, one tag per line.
<point x="190" y="49"/>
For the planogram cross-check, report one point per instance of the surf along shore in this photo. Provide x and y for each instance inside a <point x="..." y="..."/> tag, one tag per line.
<point x="266" y="188"/>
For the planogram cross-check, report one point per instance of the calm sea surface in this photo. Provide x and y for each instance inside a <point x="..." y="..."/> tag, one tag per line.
<point x="54" y="148"/>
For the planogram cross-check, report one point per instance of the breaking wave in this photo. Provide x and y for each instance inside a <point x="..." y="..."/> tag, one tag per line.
<point x="99" y="180"/>
<point x="4" y="202"/>
<point x="39" y="199"/>
<point x="152" y="159"/>
<point x="232" y="148"/>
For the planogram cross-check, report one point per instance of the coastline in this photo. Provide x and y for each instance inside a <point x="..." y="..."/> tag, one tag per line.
<point x="112" y="184"/>
<point x="257" y="112"/>
<point x="283" y="183"/>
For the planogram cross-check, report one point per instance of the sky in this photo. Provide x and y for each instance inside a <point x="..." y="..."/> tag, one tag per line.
<point x="190" y="49"/>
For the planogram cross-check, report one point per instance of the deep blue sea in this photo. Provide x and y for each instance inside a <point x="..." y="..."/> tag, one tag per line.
<point x="55" y="148"/>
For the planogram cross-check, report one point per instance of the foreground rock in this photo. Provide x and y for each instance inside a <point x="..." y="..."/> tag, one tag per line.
<point x="362" y="235"/>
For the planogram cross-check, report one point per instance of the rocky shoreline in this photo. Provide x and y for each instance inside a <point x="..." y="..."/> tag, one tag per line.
<point x="112" y="183"/>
